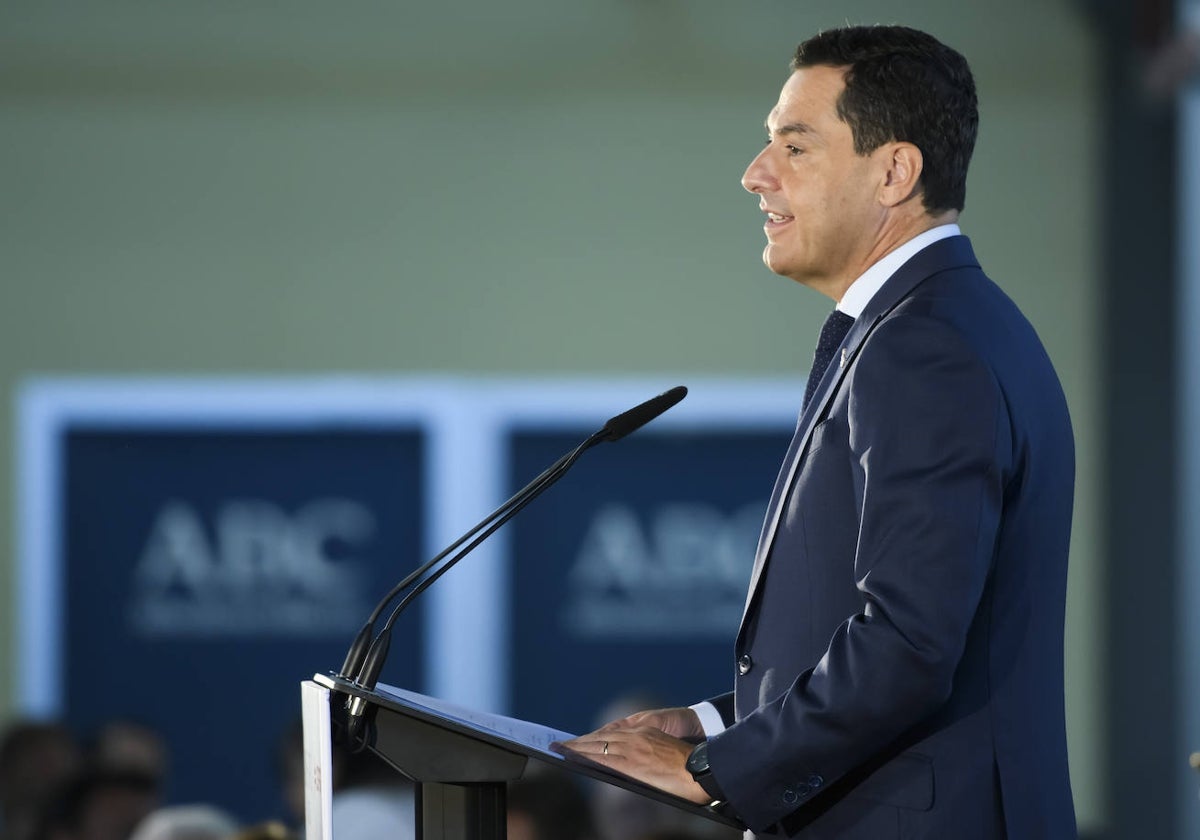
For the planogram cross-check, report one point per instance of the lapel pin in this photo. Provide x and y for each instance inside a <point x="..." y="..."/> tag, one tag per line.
<point x="845" y="354"/>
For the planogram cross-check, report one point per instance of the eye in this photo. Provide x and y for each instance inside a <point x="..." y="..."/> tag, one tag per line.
<point x="794" y="151"/>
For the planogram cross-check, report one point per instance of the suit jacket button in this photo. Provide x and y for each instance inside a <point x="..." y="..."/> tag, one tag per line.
<point x="789" y="796"/>
<point x="815" y="782"/>
<point x="744" y="664"/>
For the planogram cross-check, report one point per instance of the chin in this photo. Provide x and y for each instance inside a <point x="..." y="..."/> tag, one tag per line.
<point x="768" y="261"/>
<point x="779" y="254"/>
<point x="775" y="264"/>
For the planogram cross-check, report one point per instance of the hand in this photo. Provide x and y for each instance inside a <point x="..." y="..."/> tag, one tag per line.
<point x="678" y="723"/>
<point x="645" y="753"/>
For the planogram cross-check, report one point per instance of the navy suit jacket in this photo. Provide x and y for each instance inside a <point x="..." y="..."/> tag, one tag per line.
<point x="900" y="660"/>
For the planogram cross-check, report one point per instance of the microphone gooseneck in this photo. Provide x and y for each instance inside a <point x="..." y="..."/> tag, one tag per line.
<point x="365" y="658"/>
<point x="362" y="642"/>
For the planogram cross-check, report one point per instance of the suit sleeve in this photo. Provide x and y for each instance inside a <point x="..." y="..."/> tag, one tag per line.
<point x="928" y="440"/>
<point x="723" y="703"/>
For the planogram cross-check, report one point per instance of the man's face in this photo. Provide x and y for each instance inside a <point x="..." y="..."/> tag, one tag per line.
<point x="820" y="196"/>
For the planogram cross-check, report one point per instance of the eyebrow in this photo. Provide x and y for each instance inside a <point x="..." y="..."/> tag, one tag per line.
<point x="790" y="128"/>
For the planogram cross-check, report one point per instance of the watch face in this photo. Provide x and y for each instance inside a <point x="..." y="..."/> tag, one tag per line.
<point x="698" y="760"/>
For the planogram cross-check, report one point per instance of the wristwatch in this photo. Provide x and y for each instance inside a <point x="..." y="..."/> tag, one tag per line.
<point x="697" y="765"/>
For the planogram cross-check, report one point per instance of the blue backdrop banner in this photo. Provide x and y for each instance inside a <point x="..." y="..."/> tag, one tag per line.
<point x="629" y="576"/>
<point x="206" y="572"/>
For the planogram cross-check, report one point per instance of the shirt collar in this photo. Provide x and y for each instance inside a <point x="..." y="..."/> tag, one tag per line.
<point x="864" y="288"/>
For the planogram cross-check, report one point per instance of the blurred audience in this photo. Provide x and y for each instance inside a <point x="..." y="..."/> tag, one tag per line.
<point x="273" y="830"/>
<point x="99" y="804"/>
<point x="370" y="799"/>
<point x="52" y="789"/>
<point x="186" y="822"/>
<point x="547" y="804"/>
<point x="36" y="760"/>
<point x="128" y="745"/>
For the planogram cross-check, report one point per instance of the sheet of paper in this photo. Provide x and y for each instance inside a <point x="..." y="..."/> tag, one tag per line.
<point x="532" y="735"/>
<point x="318" y="761"/>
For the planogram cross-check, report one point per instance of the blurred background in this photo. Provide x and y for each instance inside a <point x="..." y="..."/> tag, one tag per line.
<point x="468" y="194"/>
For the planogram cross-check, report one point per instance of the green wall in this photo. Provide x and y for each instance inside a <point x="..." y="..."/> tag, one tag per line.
<point x="532" y="187"/>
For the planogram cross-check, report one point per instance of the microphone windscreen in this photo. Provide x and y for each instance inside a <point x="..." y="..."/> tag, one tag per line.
<point x="640" y="415"/>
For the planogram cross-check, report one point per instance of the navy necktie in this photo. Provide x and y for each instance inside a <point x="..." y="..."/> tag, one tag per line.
<point x="836" y="326"/>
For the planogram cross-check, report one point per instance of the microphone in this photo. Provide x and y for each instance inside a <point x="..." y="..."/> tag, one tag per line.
<point x="638" y="416"/>
<point x="365" y="659"/>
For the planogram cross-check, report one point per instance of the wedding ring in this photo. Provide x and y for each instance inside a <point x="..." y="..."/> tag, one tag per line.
<point x="605" y="750"/>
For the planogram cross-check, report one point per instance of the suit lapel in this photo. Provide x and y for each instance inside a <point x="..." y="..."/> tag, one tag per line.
<point x="953" y="252"/>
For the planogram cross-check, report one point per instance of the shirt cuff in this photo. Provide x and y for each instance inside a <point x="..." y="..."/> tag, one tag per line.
<point x="710" y="719"/>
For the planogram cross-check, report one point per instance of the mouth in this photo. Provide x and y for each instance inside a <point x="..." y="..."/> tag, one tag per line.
<point x="776" y="220"/>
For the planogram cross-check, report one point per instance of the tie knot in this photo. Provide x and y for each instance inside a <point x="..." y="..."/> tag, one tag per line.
<point x="832" y="333"/>
<point x="834" y="330"/>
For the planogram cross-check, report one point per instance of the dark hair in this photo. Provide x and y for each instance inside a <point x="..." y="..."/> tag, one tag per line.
<point x="67" y="810"/>
<point x="554" y="804"/>
<point x="904" y="85"/>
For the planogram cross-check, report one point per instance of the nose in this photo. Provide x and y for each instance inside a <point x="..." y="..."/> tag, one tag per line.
<point x="757" y="178"/>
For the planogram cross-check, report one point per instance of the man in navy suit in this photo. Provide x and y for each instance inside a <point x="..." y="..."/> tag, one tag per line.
<point x="899" y="667"/>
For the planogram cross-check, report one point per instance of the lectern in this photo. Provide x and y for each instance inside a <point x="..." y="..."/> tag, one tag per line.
<point x="460" y="759"/>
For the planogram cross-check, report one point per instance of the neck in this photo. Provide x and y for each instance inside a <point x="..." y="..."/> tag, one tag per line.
<point x="891" y="235"/>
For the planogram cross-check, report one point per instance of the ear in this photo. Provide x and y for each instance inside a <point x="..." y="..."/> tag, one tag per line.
<point x="902" y="175"/>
